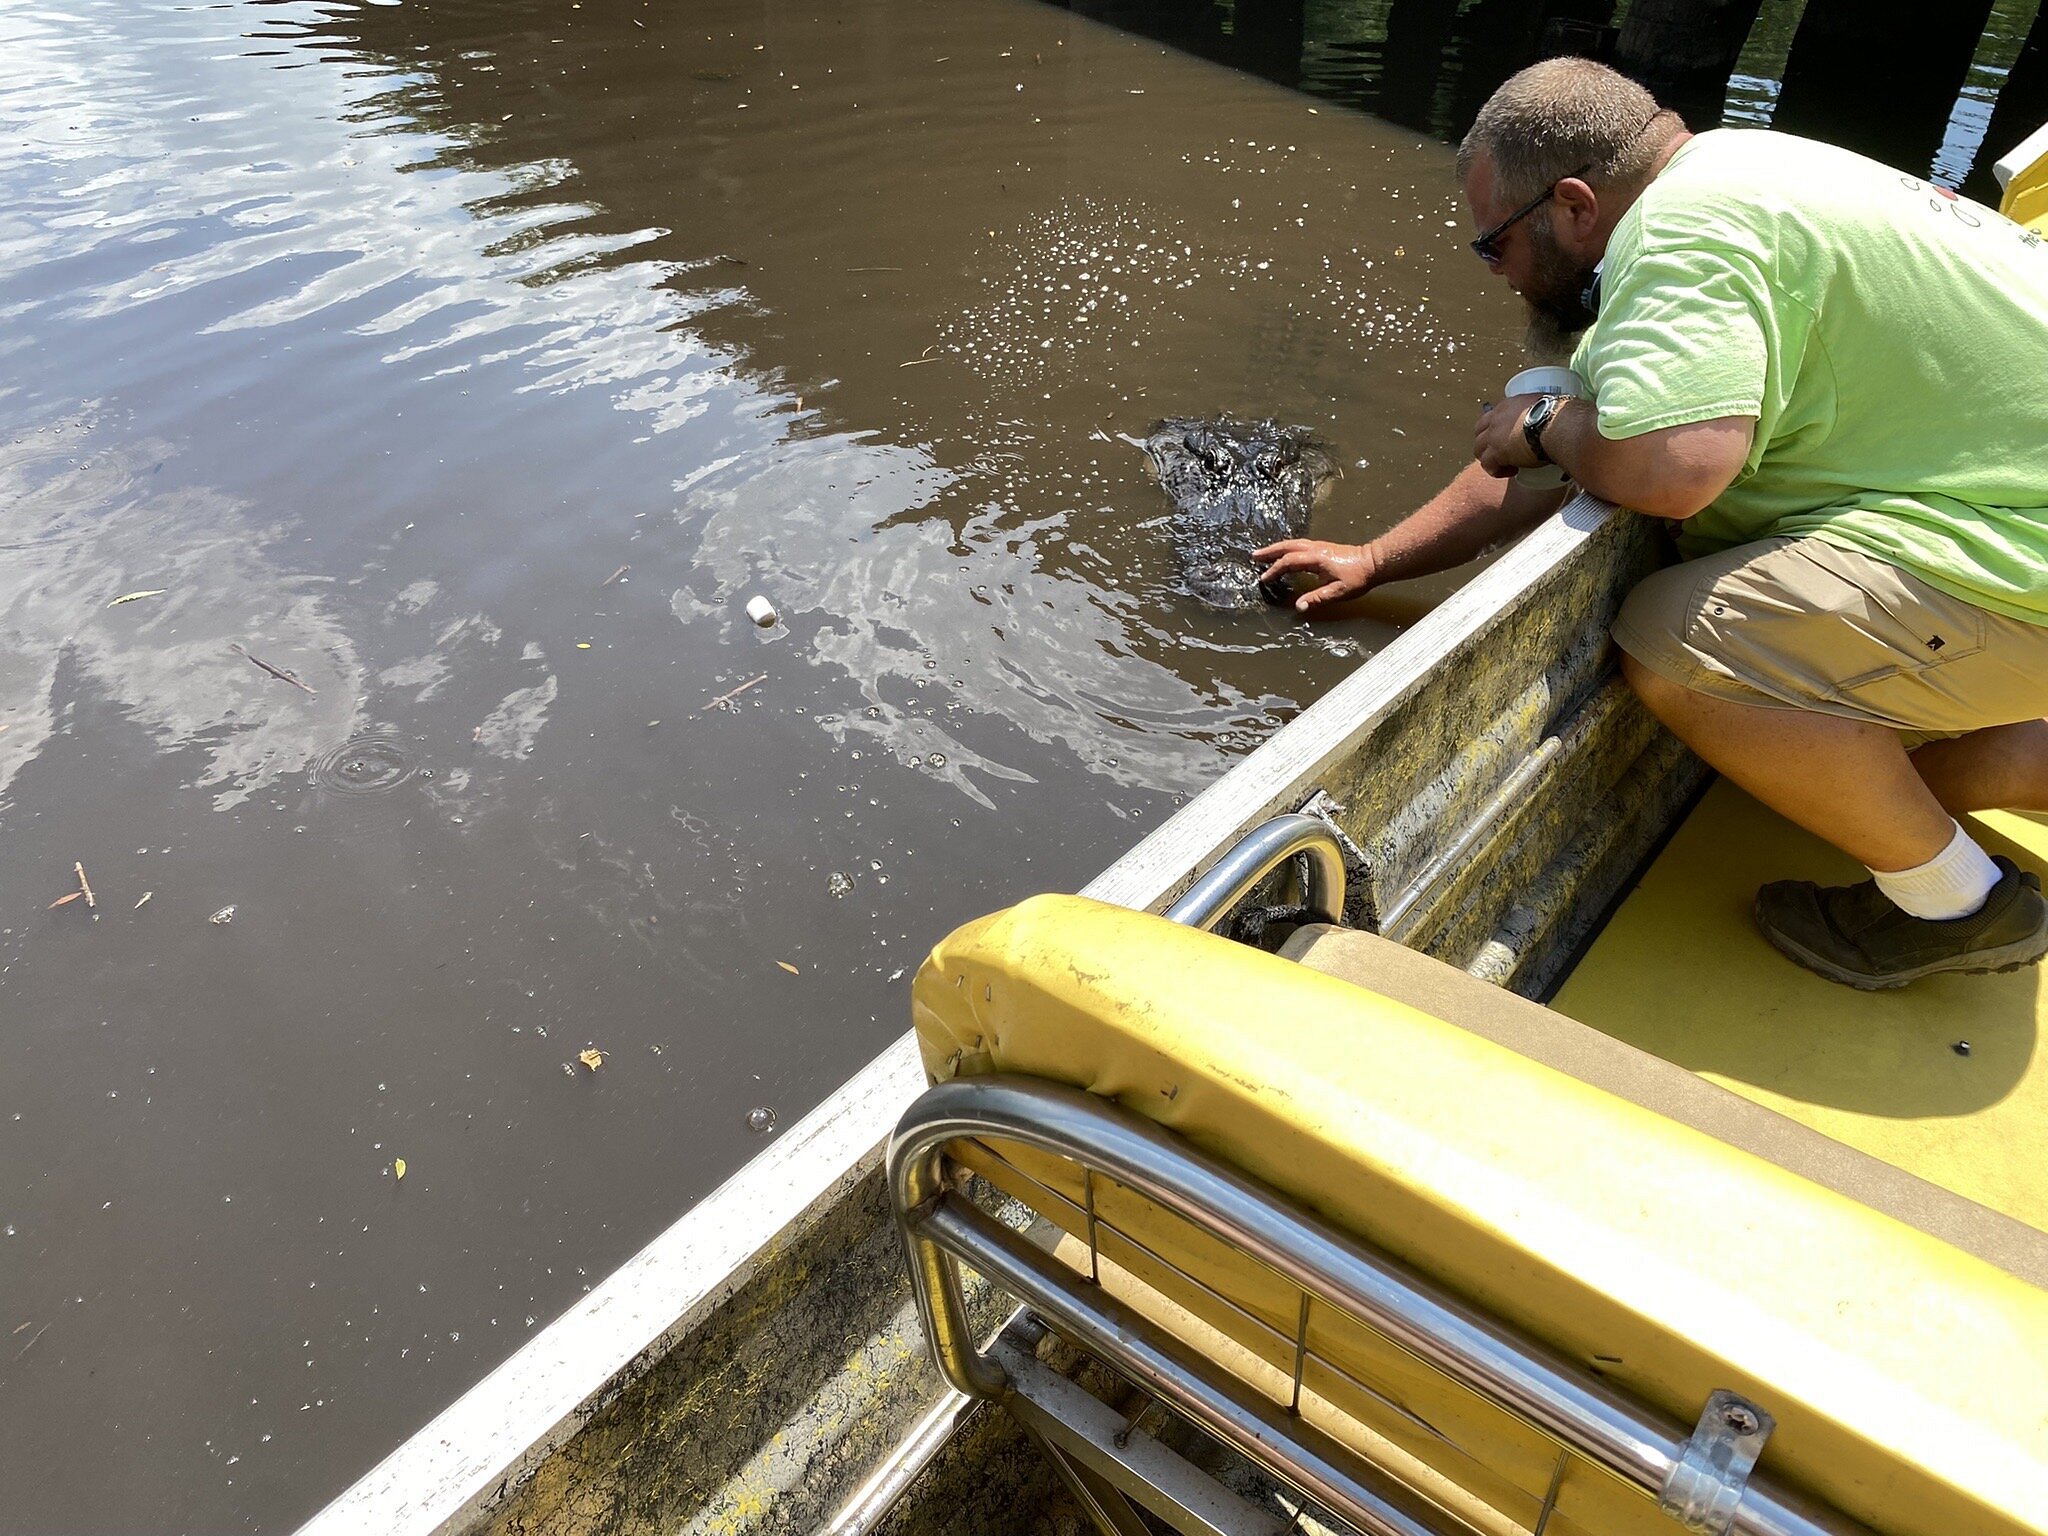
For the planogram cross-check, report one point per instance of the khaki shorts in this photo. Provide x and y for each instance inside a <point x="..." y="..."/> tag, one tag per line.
<point x="1803" y="624"/>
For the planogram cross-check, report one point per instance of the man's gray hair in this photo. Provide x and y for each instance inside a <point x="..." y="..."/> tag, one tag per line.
<point x="1557" y="116"/>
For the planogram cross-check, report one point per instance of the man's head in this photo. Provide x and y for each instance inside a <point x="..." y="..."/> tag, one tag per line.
<point x="1554" y="159"/>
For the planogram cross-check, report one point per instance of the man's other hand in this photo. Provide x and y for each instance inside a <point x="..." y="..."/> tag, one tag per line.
<point x="1497" y="440"/>
<point x="1345" y="569"/>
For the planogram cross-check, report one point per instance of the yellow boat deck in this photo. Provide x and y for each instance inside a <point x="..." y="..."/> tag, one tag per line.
<point x="1943" y="1078"/>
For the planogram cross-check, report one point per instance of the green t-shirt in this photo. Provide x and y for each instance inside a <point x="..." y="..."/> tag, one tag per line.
<point x="1890" y="339"/>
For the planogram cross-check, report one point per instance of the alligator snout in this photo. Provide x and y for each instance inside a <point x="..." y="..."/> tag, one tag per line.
<point x="1235" y="487"/>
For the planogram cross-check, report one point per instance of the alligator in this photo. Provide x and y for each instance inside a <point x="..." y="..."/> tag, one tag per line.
<point x="1235" y="486"/>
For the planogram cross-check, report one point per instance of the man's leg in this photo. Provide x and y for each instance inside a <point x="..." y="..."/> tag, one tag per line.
<point x="1852" y="650"/>
<point x="2004" y="768"/>
<point x="1847" y="782"/>
<point x="1853" y="784"/>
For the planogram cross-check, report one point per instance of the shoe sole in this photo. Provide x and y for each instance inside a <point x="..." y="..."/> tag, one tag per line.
<point x="2016" y="956"/>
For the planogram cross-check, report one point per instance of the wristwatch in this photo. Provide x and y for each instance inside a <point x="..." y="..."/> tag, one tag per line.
<point x="1541" y="414"/>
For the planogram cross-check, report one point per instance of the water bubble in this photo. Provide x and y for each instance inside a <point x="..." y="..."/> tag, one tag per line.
<point x="761" y="1119"/>
<point x="937" y="760"/>
<point x="839" y="884"/>
<point x="364" y="765"/>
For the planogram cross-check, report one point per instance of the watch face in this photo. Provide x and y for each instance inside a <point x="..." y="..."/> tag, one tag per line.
<point x="1534" y="423"/>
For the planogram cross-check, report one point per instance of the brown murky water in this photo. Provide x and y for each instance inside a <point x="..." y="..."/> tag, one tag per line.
<point x="475" y="364"/>
<point x="374" y="341"/>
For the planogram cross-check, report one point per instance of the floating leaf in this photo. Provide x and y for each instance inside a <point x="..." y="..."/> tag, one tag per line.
<point x="398" y="1167"/>
<point x="129" y="597"/>
<point x="582" y="645"/>
<point x="591" y="1057"/>
<point x="789" y="968"/>
<point x="64" y="900"/>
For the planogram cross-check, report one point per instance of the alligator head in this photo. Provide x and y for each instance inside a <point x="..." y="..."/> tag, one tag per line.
<point x="1235" y="487"/>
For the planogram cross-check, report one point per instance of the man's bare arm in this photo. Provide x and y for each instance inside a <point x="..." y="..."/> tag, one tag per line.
<point x="1470" y="515"/>
<point x="1673" y="472"/>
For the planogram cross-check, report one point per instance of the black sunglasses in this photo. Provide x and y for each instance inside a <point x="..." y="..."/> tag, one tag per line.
<point x="1487" y="246"/>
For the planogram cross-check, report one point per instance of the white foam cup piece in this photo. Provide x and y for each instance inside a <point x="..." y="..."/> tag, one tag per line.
<point x="1545" y="381"/>
<point x="761" y="611"/>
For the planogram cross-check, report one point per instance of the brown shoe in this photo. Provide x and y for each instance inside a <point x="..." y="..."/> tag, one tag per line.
<point x="1855" y="935"/>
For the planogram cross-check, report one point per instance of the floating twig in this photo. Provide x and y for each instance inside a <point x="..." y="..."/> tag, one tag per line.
<point x="132" y="597"/>
<point x="724" y="700"/>
<point x="874" y="269"/>
<point x="615" y="575"/>
<point x="31" y="1344"/>
<point x="277" y="672"/>
<point x="142" y="903"/>
<point x="64" y="900"/>
<point x="84" y="885"/>
<point x="916" y="360"/>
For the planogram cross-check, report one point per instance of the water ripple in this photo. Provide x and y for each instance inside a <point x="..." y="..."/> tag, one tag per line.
<point x="365" y="765"/>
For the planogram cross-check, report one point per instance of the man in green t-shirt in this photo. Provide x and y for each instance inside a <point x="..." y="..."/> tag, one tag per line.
<point x="1833" y="378"/>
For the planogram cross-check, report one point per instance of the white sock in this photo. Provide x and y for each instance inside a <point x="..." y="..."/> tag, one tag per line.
<point x="1952" y="884"/>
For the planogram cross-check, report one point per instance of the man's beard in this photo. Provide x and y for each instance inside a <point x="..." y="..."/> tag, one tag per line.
<point x="1556" y="298"/>
<point x="1547" y="340"/>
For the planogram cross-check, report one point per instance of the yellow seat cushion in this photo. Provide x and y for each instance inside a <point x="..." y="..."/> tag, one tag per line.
<point x="1910" y="1379"/>
<point x="1695" y="997"/>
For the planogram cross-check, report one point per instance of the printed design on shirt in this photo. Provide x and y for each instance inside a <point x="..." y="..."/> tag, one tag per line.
<point x="1941" y="200"/>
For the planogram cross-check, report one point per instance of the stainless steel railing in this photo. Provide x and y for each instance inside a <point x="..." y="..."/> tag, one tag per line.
<point x="1257" y="854"/>
<point x="1585" y="1417"/>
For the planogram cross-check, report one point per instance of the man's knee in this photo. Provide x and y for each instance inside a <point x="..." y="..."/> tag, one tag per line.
<point x="1656" y="690"/>
<point x="1654" y="619"/>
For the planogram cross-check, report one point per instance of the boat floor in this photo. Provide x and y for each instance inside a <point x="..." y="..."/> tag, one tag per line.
<point x="1943" y="1078"/>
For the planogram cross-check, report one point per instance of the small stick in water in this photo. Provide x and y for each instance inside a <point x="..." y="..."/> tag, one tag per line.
<point x="277" y="672"/>
<point x="84" y="885"/>
<point x="615" y="575"/>
<point x="725" y="699"/>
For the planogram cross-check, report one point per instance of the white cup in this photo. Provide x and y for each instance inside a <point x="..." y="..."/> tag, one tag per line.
<point x="1545" y="381"/>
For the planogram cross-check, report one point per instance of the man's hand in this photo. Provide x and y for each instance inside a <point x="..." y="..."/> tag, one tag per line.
<point x="1497" y="440"/>
<point x="1346" y="569"/>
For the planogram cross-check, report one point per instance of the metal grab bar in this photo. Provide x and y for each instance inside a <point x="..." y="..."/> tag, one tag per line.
<point x="1257" y="854"/>
<point x="1642" y="1447"/>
